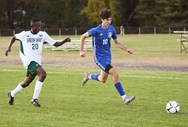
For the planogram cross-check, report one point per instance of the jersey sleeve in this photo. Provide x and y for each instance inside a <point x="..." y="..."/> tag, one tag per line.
<point x="92" y="32"/>
<point x="114" y="34"/>
<point x="19" y="36"/>
<point x="48" y="39"/>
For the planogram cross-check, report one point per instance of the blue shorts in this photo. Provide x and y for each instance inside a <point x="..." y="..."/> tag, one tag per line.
<point x="104" y="65"/>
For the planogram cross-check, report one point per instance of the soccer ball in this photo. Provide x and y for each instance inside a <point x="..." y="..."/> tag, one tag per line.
<point x="172" y="107"/>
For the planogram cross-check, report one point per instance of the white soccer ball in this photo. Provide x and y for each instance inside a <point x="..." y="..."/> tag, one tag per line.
<point x="172" y="107"/>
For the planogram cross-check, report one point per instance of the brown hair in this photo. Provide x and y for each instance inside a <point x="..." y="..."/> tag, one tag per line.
<point x="105" y="13"/>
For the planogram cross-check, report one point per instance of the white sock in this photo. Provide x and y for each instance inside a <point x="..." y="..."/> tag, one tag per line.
<point x="89" y="76"/>
<point x="123" y="96"/>
<point x="18" y="89"/>
<point x="38" y="87"/>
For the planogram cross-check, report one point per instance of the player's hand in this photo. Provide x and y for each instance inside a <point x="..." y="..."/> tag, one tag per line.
<point x="67" y="40"/>
<point x="130" y="51"/>
<point x="7" y="51"/>
<point x="82" y="54"/>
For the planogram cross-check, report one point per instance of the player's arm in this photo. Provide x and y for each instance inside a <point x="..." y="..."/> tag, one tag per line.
<point x="82" y="39"/>
<point x="10" y="45"/>
<point x="59" y="43"/>
<point x="119" y="45"/>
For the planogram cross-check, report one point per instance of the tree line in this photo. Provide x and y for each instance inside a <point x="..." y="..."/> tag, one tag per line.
<point x="84" y="13"/>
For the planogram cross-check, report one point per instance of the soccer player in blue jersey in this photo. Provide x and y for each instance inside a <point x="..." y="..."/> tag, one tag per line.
<point x="101" y="36"/>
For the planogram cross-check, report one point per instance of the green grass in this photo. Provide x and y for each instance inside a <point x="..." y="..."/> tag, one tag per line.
<point x="65" y="103"/>
<point x="146" y="47"/>
<point x="143" y="45"/>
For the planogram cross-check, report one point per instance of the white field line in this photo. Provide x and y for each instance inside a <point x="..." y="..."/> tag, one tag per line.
<point x="122" y="75"/>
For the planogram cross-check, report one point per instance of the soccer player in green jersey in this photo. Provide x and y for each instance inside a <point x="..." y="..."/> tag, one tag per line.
<point x="31" y="44"/>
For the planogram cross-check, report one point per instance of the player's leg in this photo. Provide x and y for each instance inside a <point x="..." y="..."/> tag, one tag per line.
<point x="102" y="77"/>
<point x="19" y="88"/>
<point x="127" y="99"/>
<point x="38" y="86"/>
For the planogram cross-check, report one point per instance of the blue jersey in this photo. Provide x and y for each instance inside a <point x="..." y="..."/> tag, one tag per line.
<point x="101" y="43"/>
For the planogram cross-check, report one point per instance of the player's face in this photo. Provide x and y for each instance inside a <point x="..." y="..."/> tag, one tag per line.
<point x="106" y="22"/>
<point x="36" y="27"/>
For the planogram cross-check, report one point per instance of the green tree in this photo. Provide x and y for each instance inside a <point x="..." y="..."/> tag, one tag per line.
<point x="92" y="11"/>
<point x="2" y="14"/>
<point x="64" y="13"/>
<point x="146" y="11"/>
<point x="123" y="11"/>
<point x="162" y="13"/>
<point x="15" y="12"/>
<point x="58" y="13"/>
<point x="174" y="13"/>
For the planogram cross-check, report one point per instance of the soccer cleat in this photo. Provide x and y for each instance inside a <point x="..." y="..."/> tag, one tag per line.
<point x="86" y="78"/>
<point x="11" y="99"/>
<point x="35" y="102"/>
<point x="129" y="99"/>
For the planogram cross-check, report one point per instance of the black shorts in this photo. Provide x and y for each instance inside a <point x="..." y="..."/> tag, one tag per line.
<point x="107" y="68"/>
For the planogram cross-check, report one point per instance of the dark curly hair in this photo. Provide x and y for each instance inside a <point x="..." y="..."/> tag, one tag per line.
<point x="105" y="13"/>
<point x="34" y="20"/>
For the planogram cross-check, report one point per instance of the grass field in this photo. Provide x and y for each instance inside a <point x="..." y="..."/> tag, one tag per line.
<point x="66" y="103"/>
